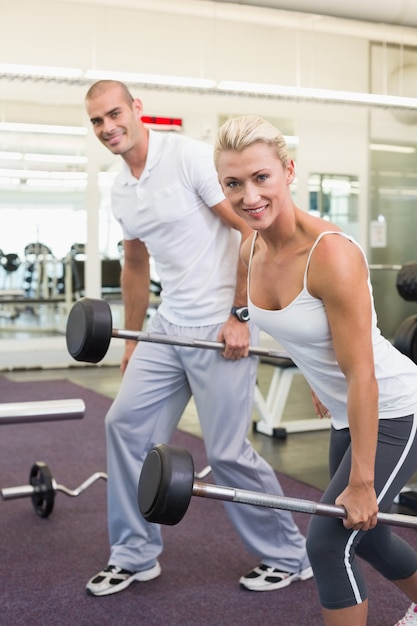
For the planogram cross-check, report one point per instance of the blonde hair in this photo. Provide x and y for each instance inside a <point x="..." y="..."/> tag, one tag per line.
<point x="239" y="133"/>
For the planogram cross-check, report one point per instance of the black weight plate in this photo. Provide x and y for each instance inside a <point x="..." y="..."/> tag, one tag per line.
<point x="405" y="339"/>
<point x="10" y="262"/>
<point x="89" y="330"/>
<point x="406" y="281"/>
<point x="43" y="495"/>
<point x="166" y="484"/>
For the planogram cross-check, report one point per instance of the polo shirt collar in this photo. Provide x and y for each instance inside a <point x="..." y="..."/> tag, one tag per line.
<point x="152" y="158"/>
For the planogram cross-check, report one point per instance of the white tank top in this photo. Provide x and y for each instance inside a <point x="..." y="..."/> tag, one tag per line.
<point x="303" y="330"/>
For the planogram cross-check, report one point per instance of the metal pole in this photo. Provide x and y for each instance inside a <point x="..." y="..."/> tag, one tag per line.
<point x="191" y="343"/>
<point x="395" y="268"/>
<point x="42" y="411"/>
<point x="230" y="494"/>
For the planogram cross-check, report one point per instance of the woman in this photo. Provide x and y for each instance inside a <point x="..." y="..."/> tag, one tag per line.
<point x="309" y="288"/>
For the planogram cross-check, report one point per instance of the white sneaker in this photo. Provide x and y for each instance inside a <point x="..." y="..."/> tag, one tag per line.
<point x="114" y="579"/>
<point x="410" y="617"/>
<point x="264" y="578"/>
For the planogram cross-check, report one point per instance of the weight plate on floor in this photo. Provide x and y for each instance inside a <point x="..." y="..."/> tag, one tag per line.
<point x="43" y="495"/>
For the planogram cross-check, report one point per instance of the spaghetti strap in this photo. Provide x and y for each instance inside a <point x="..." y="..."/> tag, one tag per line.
<point x="252" y="248"/>
<point x="313" y="247"/>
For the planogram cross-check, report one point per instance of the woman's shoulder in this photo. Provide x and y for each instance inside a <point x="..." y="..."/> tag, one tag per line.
<point x="316" y="226"/>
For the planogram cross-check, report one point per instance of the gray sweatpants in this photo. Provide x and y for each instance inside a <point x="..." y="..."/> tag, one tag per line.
<point x="332" y="548"/>
<point x="155" y="390"/>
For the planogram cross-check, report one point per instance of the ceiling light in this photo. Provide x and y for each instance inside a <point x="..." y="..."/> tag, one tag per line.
<point x="291" y="140"/>
<point x="40" y="71"/>
<point x="55" y="158"/>
<point x="152" y="79"/>
<point x="9" y="182"/>
<point x="49" y="183"/>
<point x="11" y="156"/>
<point x="42" y="128"/>
<point x="328" y="96"/>
<point x="22" y="173"/>
<point x="381" y="147"/>
<point x="319" y="95"/>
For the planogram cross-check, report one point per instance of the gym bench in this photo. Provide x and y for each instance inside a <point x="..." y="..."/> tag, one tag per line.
<point x="271" y="408"/>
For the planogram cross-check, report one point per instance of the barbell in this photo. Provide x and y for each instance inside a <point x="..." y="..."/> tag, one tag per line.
<point x="41" y="411"/>
<point x="89" y="330"/>
<point x="166" y="485"/>
<point x="42" y="488"/>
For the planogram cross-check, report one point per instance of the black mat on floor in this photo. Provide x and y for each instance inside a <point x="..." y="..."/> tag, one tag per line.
<point x="45" y="563"/>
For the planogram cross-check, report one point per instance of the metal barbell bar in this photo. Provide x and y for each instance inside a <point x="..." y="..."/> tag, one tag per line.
<point x="166" y="485"/>
<point x="42" y="488"/>
<point x="89" y="330"/>
<point x="41" y="411"/>
<point x="381" y="266"/>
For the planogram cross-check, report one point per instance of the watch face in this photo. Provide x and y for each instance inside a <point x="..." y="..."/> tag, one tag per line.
<point x="242" y="313"/>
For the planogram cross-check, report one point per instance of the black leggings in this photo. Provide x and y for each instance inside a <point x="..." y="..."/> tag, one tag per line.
<point x="332" y="548"/>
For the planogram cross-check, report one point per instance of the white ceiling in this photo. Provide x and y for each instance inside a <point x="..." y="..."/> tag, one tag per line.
<point x="332" y="15"/>
<point x="392" y="12"/>
<point x="399" y="12"/>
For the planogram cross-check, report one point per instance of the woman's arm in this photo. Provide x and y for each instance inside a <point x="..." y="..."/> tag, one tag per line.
<point x="338" y="275"/>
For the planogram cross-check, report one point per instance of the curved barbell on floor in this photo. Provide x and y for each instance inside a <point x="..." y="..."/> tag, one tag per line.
<point x="42" y="489"/>
<point x="166" y="485"/>
<point x="89" y="330"/>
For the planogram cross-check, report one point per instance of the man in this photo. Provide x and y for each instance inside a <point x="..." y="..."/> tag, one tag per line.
<point x="170" y="206"/>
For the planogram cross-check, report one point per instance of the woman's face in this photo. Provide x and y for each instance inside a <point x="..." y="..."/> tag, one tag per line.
<point x="255" y="183"/>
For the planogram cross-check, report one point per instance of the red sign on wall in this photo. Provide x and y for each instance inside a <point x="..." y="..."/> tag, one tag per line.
<point x="162" y="123"/>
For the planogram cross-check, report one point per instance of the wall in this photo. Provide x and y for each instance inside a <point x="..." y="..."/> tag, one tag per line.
<point x="205" y="39"/>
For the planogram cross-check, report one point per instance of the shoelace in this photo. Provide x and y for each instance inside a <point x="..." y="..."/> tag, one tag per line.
<point x="410" y="617"/>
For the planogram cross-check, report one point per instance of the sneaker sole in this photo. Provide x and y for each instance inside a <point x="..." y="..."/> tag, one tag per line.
<point x="142" y="576"/>
<point x="302" y="576"/>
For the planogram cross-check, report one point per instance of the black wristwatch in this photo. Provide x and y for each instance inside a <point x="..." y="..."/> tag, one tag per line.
<point x="241" y="312"/>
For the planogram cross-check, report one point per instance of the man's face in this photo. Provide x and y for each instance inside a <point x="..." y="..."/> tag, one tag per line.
<point x="116" y="122"/>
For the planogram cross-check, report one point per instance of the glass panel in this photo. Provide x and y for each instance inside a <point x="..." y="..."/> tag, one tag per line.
<point x="394" y="204"/>
<point x="334" y="197"/>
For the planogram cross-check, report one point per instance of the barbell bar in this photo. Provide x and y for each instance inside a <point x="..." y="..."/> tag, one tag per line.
<point x="42" y="488"/>
<point x="41" y="411"/>
<point x="166" y="485"/>
<point x="89" y="330"/>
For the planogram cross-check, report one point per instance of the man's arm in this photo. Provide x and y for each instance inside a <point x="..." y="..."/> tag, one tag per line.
<point x="235" y="334"/>
<point x="135" y="279"/>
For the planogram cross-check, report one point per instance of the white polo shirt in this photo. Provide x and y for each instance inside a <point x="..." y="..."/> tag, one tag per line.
<point x="168" y="208"/>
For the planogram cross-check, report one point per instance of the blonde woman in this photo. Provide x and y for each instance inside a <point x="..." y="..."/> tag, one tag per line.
<point x="309" y="288"/>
